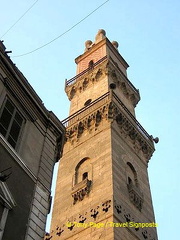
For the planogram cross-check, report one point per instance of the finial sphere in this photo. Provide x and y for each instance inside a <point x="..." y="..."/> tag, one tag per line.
<point x="102" y="31"/>
<point x="88" y="43"/>
<point x="115" y="44"/>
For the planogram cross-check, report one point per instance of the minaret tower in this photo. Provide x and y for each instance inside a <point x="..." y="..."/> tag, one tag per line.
<point x="102" y="189"/>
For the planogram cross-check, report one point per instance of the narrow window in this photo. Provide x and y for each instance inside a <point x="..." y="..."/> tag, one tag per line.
<point x="85" y="175"/>
<point x="91" y="64"/>
<point x="11" y="123"/>
<point x="129" y="181"/>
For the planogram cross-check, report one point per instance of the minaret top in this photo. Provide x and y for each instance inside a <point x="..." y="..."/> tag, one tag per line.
<point x="101" y="47"/>
<point x="99" y="36"/>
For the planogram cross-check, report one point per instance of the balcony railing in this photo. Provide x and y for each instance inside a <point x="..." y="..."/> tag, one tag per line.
<point x="74" y="79"/>
<point x="85" y="110"/>
<point x="136" y="196"/>
<point x="137" y="124"/>
<point x="127" y="80"/>
<point x="80" y="190"/>
<point x="101" y="101"/>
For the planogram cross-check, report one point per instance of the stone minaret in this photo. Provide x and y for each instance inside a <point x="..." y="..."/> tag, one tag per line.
<point x="102" y="187"/>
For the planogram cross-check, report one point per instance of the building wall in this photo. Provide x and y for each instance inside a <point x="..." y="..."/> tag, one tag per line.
<point x="38" y="147"/>
<point x="98" y="166"/>
<point x="123" y="153"/>
<point x="21" y="185"/>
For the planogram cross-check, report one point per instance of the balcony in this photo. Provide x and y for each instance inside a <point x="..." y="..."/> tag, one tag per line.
<point x="135" y="195"/>
<point x="74" y="79"/>
<point x="80" y="190"/>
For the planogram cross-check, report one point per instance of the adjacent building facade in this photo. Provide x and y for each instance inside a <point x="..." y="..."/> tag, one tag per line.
<point x="102" y="189"/>
<point x="31" y="141"/>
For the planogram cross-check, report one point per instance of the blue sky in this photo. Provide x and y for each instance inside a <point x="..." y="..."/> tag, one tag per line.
<point x="149" y="40"/>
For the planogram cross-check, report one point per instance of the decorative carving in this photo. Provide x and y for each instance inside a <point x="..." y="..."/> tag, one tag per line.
<point x="82" y="218"/>
<point x="80" y="190"/>
<point x="85" y="83"/>
<point x="98" y="118"/>
<point x="110" y="108"/>
<point x="113" y="75"/>
<point x="121" y="81"/>
<point x="124" y="89"/>
<point x="118" y="208"/>
<point x="137" y="228"/>
<point x="105" y="67"/>
<point x="135" y="195"/>
<point x="94" y="212"/>
<point x="111" y="111"/>
<point x="133" y="99"/>
<point x="59" y="231"/>
<point x="106" y="205"/>
<point x="134" y="134"/>
<point x="47" y="236"/>
<point x="80" y="129"/>
<point x="83" y="80"/>
<point x="97" y="211"/>
<point x="98" y="74"/>
<point x="88" y="123"/>
<point x="125" y="216"/>
<point x="71" y="226"/>
<point x="72" y="93"/>
<point x="145" y="234"/>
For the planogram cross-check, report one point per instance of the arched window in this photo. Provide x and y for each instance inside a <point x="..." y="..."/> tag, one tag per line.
<point x="135" y="193"/>
<point x="82" y="180"/>
<point x="85" y="176"/>
<point x="83" y="170"/>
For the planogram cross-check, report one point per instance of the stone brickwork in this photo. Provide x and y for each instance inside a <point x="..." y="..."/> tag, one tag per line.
<point x="102" y="178"/>
<point x="39" y="211"/>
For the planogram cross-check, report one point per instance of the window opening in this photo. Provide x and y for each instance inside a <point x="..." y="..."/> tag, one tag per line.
<point x="91" y="64"/>
<point x="87" y="102"/>
<point x="85" y="175"/>
<point x="10" y="123"/>
<point x="129" y="181"/>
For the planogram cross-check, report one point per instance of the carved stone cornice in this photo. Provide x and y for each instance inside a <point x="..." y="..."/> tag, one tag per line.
<point x="117" y="77"/>
<point x="135" y="195"/>
<point x="110" y="108"/>
<point x="87" y="118"/>
<point x="88" y="123"/>
<point x="104" y="67"/>
<point x="135" y="135"/>
<point x="83" y="81"/>
<point x="80" y="190"/>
